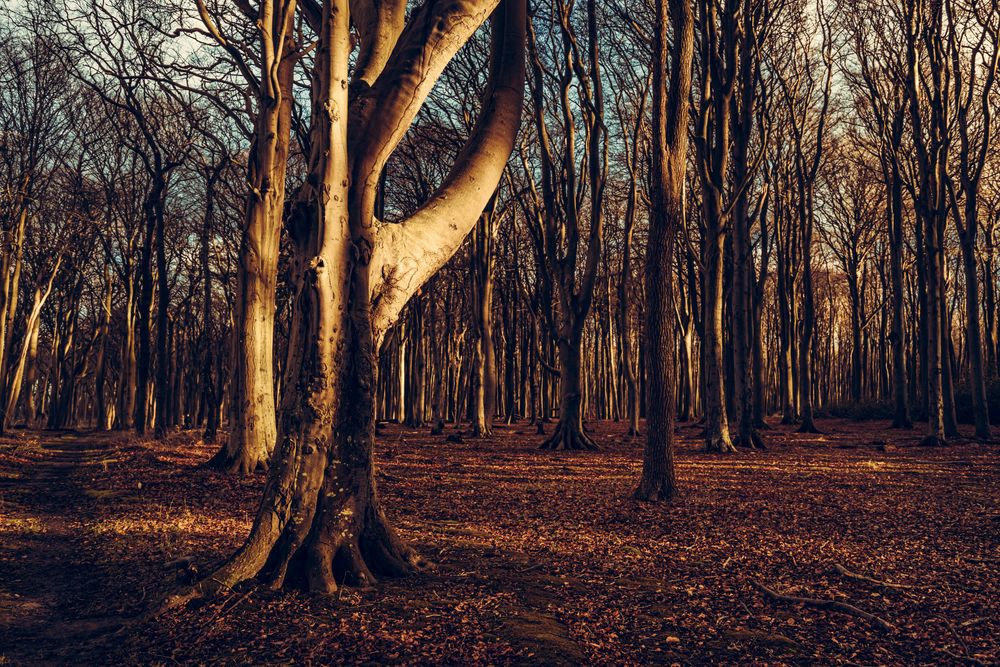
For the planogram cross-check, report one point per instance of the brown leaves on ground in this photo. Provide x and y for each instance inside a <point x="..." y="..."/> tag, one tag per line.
<point x="541" y="558"/>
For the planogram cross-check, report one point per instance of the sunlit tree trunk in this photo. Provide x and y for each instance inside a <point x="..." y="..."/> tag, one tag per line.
<point x="252" y="421"/>
<point x="320" y="523"/>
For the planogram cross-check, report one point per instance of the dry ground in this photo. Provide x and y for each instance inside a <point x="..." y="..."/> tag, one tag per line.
<point x="540" y="558"/>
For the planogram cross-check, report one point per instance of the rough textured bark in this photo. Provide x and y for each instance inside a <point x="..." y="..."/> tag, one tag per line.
<point x="669" y="162"/>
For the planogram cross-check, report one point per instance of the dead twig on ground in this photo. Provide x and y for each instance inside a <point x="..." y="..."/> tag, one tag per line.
<point x="844" y="572"/>
<point x="827" y="605"/>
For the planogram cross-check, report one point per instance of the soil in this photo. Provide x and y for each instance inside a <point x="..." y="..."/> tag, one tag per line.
<point x="540" y="557"/>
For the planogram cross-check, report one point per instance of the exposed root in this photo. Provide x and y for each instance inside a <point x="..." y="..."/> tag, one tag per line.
<point x="655" y="489"/>
<point x="720" y="444"/>
<point x="827" y="605"/>
<point x="569" y="439"/>
<point x="240" y="463"/>
<point x="356" y="558"/>
<point x="756" y="442"/>
<point x="933" y="440"/>
<point x="809" y="427"/>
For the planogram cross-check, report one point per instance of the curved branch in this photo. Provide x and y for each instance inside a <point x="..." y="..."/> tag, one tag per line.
<point x="408" y="253"/>
<point x="381" y="115"/>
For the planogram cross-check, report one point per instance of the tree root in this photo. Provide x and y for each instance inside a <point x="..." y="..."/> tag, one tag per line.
<point x="654" y="490"/>
<point x="242" y="463"/>
<point x="933" y="441"/>
<point x="569" y="439"/>
<point x="756" y="442"/>
<point x="844" y="572"/>
<point x="719" y="445"/>
<point x="826" y="605"/>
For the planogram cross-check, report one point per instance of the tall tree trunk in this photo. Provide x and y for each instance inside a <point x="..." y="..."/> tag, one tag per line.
<point x="24" y="371"/>
<point x="569" y="433"/>
<point x="252" y="420"/>
<point x="935" y="347"/>
<point x="100" y="397"/>
<point x="974" y="340"/>
<point x="144" y="357"/>
<point x="670" y="114"/>
<point x="901" y="412"/>
<point x="209" y="397"/>
<point x="806" y="386"/>
<point x="162" y="305"/>
<point x="484" y="356"/>
<point x="716" y="419"/>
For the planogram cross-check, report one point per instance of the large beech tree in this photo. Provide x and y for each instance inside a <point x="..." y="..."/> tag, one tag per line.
<point x="320" y="522"/>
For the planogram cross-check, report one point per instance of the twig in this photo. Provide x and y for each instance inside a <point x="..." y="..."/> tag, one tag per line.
<point x="828" y="605"/>
<point x="965" y="658"/>
<point x="954" y="633"/>
<point x="844" y="572"/>
<point x="223" y="607"/>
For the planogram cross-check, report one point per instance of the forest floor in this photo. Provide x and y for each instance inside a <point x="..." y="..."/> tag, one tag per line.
<point x="541" y="558"/>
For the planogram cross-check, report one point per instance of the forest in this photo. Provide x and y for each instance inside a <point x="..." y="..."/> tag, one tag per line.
<point x="507" y="332"/>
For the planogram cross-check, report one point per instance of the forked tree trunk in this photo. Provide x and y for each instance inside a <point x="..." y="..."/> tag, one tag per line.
<point x="555" y="213"/>
<point x="320" y="523"/>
